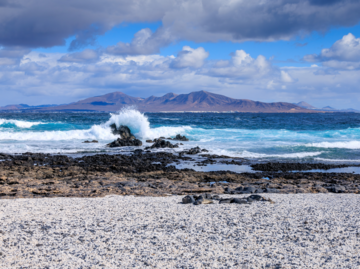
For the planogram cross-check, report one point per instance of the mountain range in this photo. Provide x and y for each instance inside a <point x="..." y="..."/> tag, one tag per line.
<point x="326" y="108"/>
<point x="200" y="101"/>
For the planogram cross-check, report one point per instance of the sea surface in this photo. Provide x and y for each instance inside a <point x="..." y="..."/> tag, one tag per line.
<point x="318" y="137"/>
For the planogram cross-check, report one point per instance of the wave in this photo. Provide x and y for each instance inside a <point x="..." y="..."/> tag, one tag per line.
<point x="135" y="120"/>
<point x="336" y="160"/>
<point x="343" y="145"/>
<point x="248" y="154"/>
<point x="20" y="123"/>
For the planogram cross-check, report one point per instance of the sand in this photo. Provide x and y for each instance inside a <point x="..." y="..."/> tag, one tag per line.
<point x="298" y="231"/>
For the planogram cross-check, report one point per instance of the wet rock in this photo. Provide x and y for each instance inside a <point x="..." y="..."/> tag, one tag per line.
<point x="149" y="141"/>
<point x="188" y="199"/>
<point x="295" y="166"/>
<point x="127" y="139"/>
<point x="93" y="141"/>
<point x="193" y="151"/>
<point x="181" y="138"/>
<point x="123" y="131"/>
<point x="128" y="142"/>
<point x="163" y="144"/>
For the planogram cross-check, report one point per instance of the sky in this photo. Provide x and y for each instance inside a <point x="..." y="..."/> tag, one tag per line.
<point x="57" y="52"/>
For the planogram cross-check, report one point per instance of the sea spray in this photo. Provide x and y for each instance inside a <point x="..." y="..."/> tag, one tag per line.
<point x="140" y="126"/>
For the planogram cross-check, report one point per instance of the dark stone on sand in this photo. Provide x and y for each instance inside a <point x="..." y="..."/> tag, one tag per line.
<point x="248" y="190"/>
<point x="336" y="189"/>
<point x="188" y="199"/>
<point x="226" y="201"/>
<point x="255" y="197"/>
<point x="240" y="201"/>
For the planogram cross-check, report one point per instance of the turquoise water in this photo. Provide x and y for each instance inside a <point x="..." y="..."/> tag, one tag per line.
<point x="301" y="137"/>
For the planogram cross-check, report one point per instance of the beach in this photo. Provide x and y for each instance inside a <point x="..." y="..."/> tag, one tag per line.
<point x="297" y="231"/>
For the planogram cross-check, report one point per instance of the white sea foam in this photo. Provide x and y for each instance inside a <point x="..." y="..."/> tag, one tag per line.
<point x="20" y="123"/>
<point x="336" y="160"/>
<point x="344" y="145"/>
<point x="140" y="125"/>
<point x="135" y="120"/>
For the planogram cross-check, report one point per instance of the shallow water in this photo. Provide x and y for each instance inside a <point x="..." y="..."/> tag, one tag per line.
<point x="332" y="137"/>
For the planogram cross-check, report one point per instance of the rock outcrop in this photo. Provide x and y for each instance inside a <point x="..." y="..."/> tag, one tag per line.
<point x="127" y="139"/>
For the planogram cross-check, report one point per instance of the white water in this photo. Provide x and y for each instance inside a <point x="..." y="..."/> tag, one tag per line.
<point x="245" y="143"/>
<point x="19" y="123"/>
<point x="344" y="145"/>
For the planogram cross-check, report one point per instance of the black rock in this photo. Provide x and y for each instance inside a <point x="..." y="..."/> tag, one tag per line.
<point x="193" y="151"/>
<point x="240" y="201"/>
<point x="336" y="188"/>
<point x="239" y="189"/>
<point x="125" y="143"/>
<point x="248" y="190"/>
<point x="256" y="197"/>
<point x="181" y="138"/>
<point x="123" y="131"/>
<point x="127" y="139"/>
<point x="159" y="143"/>
<point x="226" y="201"/>
<point x="93" y="141"/>
<point x="188" y="199"/>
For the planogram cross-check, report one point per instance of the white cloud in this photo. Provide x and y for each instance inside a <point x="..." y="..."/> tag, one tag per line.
<point x="189" y="57"/>
<point x="345" y="49"/>
<point x="285" y="77"/>
<point x="243" y="66"/>
<point x="87" y="55"/>
<point x="142" y="75"/>
<point x="344" y="54"/>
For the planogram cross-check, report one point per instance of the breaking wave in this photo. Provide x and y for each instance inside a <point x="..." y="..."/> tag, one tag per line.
<point x="135" y="120"/>
<point x="18" y="123"/>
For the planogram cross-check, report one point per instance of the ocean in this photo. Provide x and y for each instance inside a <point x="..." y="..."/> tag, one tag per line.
<point x="318" y="137"/>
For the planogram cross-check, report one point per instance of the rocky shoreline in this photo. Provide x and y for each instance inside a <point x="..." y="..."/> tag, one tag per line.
<point x="145" y="173"/>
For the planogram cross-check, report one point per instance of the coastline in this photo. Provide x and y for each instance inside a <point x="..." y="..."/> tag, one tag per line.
<point x="154" y="174"/>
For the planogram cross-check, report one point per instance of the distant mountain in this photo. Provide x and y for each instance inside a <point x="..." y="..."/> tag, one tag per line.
<point x="22" y="107"/>
<point x="201" y="101"/>
<point x="329" y="108"/>
<point x="350" y="110"/>
<point x="305" y="105"/>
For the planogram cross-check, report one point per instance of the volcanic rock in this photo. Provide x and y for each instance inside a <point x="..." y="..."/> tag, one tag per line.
<point x="127" y="139"/>
<point x="181" y="138"/>
<point x="159" y="143"/>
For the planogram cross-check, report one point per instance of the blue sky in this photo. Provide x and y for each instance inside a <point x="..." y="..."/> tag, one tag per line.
<point x="281" y="50"/>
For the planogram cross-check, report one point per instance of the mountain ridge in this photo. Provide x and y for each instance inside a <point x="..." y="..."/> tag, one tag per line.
<point x="200" y="101"/>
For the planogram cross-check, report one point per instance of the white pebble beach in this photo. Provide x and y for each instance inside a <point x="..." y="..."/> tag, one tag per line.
<point x="297" y="231"/>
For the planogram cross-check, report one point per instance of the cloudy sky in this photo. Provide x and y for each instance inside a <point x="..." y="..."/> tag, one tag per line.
<point x="54" y="52"/>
